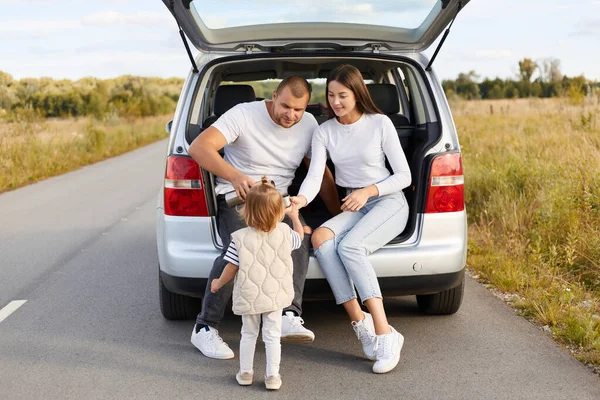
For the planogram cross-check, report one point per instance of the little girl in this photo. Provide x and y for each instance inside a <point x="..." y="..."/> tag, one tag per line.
<point x="260" y="259"/>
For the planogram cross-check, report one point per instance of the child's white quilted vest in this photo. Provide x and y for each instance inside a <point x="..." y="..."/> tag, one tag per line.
<point x="264" y="279"/>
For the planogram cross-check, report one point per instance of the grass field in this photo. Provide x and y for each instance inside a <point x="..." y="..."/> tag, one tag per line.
<point x="33" y="149"/>
<point x="532" y="180"/>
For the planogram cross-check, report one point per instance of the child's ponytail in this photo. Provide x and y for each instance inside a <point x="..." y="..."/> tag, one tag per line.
<point x="264" y="206"/>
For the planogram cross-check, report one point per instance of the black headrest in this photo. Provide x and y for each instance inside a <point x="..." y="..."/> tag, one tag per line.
<point x="228" y="96"/>
<point x="385" y="97"/>
<point x="314" y="109"/>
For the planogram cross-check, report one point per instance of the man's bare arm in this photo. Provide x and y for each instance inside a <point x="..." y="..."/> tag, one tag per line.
<point x="328" y="191"/>
<point x="205" y="151"/>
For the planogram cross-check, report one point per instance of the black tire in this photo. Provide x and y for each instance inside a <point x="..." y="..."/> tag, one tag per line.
<point x="175" y="306"/>
<point x="443" y="303"/>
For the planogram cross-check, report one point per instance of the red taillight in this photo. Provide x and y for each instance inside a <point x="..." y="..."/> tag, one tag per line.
<point x="446" y="185"/>
<point x="184" y="191"/>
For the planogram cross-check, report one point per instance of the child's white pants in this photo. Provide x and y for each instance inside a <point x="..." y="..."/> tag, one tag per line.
<point x="271" y="335"/>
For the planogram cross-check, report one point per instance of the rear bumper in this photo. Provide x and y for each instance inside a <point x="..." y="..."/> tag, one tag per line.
<point x="433" y="262"/>
<point x="319" y="288"/>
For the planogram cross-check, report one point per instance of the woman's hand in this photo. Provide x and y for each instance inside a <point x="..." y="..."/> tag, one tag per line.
<point x="357" y="199"/>
<point x="215" y="285"/>
<point x="299" y="201"/>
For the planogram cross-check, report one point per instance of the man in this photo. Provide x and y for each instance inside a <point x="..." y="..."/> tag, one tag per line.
<point x="261" y="138"/>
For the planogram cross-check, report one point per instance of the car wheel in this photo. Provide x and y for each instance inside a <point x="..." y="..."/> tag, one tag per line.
<point x="175" y="306"/>
<point x="442" y="303"/>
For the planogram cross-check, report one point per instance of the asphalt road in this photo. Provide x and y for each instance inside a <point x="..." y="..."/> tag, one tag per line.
<point x="80" y="249"/>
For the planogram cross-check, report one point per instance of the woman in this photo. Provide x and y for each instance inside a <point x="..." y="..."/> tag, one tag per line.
<point x="358" y="139"/>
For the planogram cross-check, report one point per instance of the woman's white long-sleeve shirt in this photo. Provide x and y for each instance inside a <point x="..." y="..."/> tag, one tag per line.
<point x="358" y="152"/>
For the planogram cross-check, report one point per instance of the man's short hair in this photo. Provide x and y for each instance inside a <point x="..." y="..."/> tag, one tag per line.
<point x="297" y="84"/>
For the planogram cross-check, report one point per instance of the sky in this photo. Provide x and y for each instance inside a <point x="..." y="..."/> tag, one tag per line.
<point x="109" y="38"/>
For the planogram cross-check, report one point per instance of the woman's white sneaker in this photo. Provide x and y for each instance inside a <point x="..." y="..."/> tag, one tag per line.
<point x="387" y="350"/>
<point x="365" y="332"/>
<point x="292" y="330"/>
<point x="208" y="341"/>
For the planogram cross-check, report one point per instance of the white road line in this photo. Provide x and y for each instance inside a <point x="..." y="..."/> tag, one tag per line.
<point x="11" y="308"/>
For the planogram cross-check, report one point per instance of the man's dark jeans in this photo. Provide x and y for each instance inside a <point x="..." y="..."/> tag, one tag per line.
<point x="213" y="304"/>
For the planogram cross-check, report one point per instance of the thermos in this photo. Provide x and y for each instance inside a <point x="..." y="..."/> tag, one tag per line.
<point x="232" y="199"/>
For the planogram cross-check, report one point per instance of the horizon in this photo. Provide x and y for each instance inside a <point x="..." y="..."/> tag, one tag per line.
<point x="479" y="78"/>
<point x="141" y="38"/>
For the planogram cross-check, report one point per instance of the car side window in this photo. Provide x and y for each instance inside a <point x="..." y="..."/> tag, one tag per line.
<point x="415" y="95"/>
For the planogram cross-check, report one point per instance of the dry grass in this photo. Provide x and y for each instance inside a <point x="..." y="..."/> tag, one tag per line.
<point x="33" y="149"/>
<point x="533" y="200"/>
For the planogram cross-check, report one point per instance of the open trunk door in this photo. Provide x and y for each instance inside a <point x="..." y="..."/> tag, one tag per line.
<point x="236" y="25"/>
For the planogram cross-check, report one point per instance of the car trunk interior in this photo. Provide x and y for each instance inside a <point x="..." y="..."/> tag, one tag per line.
<point x="397" y="85"/>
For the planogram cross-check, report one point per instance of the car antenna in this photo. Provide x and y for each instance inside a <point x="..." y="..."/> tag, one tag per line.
<point x="435" y="53"/>
<point x="185" y="43"/>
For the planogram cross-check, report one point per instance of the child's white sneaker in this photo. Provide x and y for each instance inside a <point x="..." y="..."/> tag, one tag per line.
<point x="292" y="330"/>
<point x="365" y="332"/>
<point x="387" y="350"/>
<point x="244" y="378"/>
<point x="208" y="341"/>
<point x="273" y="382"/>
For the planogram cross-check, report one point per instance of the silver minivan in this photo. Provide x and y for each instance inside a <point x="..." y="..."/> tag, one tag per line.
<point x="240" y="62"/>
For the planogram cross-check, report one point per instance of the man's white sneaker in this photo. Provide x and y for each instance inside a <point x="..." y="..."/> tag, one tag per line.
<point x="365" y="332"/>
<point x="208" y="341"/>
<point x="292" y="330"/>
<point x="387" y="349"/>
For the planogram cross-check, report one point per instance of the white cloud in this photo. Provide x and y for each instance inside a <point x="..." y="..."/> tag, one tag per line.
<point x="104" y="18"/>
<point x="107" y="18"/>
<point x="590" y="27"/>
<point x="32" y="29"/>
<point x="361" y="9"/>
<point x="494" y="54"/>
<point x="37" y="29"/>
<point x="24" y="1"/>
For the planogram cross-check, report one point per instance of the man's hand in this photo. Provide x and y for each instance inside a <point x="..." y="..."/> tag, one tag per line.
<point x="215" y="285"/>
<point x="242" y="185"/>
<point x="357" y="199"/>
<point x="299" y="201"/>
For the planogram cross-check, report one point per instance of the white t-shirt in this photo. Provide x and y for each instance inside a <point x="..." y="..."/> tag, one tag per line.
<point x="257" y="146"/>
<point x="358" y="152"/>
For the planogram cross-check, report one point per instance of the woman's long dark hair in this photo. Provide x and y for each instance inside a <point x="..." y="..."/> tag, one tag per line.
<point x="350" y="77"/>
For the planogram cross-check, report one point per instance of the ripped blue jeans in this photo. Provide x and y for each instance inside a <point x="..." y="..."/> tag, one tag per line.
<point x="345" y="258"/>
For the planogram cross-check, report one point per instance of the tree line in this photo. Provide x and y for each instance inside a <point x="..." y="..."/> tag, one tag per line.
<point x="125" y="96"/>
<point x="133" y="96"/>
<point x="548" y="82"/>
